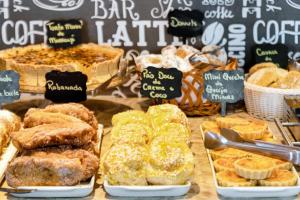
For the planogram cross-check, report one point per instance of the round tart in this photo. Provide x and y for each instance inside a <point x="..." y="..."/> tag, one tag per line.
<point x="210" y="126"/>
<point x="281" y="164"/>
<point x="254" y="168"/>
<point x="228" y="153"/>
<point x="251" y="131"/>
<point x="228" y="122"/>
<point x="280" y="178"/>
<point x="223" y="164"/>
<point x="231" y="179"/>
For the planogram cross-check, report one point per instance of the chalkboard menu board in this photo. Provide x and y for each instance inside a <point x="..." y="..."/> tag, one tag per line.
<point x="142" y="25"/>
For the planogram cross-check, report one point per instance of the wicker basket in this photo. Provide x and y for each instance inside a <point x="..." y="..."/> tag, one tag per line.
<point x="192" y="101"/>
<point x="266" y="103"/>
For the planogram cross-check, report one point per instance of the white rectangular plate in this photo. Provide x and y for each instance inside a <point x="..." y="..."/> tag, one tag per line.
<point x="256" y="191"/>
<point x="146" y="191"/>
<point x="81" y="190"/>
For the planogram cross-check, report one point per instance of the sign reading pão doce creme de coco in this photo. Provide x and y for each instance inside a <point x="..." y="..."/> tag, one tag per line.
<point x="160" y="83"/>
<point x="63" y="87"/>
<point x="185" y="23"/>
<point x="64" y="33"/>
<point x="277" y="54"/>
<point x="9" y="86"/>
<point x="224" y="87"/>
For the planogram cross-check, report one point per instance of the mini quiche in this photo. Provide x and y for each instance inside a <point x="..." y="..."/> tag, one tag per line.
<point x="228" y="122"/>
<point x="231" y="179"/>
<point x="254" y="168"/>
<point x="280" y="178"/>
<point x="223" y="164"/>
<point x="228" y="153"/>
<point x="251" y="131"/>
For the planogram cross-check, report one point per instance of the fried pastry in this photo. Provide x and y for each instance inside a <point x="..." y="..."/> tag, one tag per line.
<point x="254" y="168"/>
<point x="170" y="163"/>
<point x="166" y="113"/>
<point x="76" y="110"/>
<point x="131" y="116"/>
<point x="131" y="133"/>
<point x="290" y="81"/>
<point x="228" y="153"/>
<point x="231" y="179"/>
<point x="11" y="119"/>
<point x="76" y="134"/>
<point x="251" y="131"/>
<point x="36" y="116"/>
<point x="125" y="164"/>
<point x="280" y="178"/>
<point x="263" y="77"/>
<point x="228" y="122"/>
<point x="259" y="66"/>
<point x="51" y="167"/>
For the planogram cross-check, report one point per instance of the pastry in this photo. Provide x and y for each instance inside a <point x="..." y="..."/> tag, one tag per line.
<point x="228" y="122"/>
<point x="228" y="153"/>
<point x="175" y="132"/>
<point x="131" y="133"/>
<point x="210" y="126"/>
<point x="170" y="163"/>
<point x="125" y="164"/>
<point x="251" y="131"/>
<point x="75" y="110"/>
<point x="131" y="116"/>
<point x="12" y="119"/>
<point x="290" y="81"/>
<point x="51" y="168"/>
<point x="263" y="77"/>
<point x="259" y="66"/>
<point x="280" y="178"/>
<point x="223" y="164"/>
<point x="71" y="133"/>
<point x="231" y="179"/>
<point x="254" y="168"/>
<point x="98" y="62"/>
<point x="166" y="113"/>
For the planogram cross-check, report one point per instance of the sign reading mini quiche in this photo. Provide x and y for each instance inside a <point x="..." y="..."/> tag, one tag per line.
<point x="9" y="86"/>
<point x="277" y="54"/>
<point x="64" y="33"/>
<point x="161" y="83"/>
<point x="224" y="87"/>
<point x="63" y="87"/>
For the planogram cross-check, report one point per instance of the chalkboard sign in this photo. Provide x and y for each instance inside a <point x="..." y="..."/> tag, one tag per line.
<point x="62" y="87"/>
<point x="160" y="83"/>
<point x="224" y="87"/>
<point x="185" y="23"/>
<point x="64" y="33"/>
<point x="277" y="54"/>
<point x="9" y="86"/>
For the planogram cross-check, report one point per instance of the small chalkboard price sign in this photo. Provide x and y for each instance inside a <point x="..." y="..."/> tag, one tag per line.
<point x="9" y="86"/>
<point x="64" y="33"/>
<point x="224" y="87"/>
<point x="277" y="54"/>
<point x="63" y="87"/>
<point x="185" y="23"/>
<point x="161" y="83"/>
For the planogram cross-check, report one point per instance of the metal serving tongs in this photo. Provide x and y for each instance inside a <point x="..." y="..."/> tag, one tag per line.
<point x="230" y="138"/>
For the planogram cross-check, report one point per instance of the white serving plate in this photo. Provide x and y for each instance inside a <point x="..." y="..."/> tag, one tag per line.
<point x="81" y="190"/>
<point x="146" y="191"/>
<point x="255" y="191"/>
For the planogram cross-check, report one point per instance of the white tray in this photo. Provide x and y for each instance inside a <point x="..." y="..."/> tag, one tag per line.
<point x="81" y="190"/>
<point x="146" y="191"/>
<point x="255" y="191"/>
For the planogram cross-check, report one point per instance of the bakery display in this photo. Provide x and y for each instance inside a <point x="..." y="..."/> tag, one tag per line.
<point x="56" y="149"/>
<point x="149" y="154"/>
<point x="269" y="75"/>
<point x="238" y="168"/>
<point x="32" y="62"/>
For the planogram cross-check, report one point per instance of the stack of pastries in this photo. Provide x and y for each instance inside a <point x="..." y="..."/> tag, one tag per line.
<point x="9" y="122"/>
<point x="237" y="168"/>
<point x="149" y="148"/>
<point x="57" y="147"/>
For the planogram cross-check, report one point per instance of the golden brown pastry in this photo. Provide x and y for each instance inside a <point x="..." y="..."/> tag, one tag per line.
<point x="231" y="179"/>
<point x="210" y="126"/>
<point x="254" y="168"/>
<point x="228" y="153"/>
<point x="263" y="77"/>
<point x="166" y="113"/>
<point x="170" y="163"/>
<point x="290" y="81"/>
<point x="12" y="119"/>
<point x="222" y="164"/>
<point x="259" y="66"/>
<point x="228" y="122"/>
<point x="280" y="178"/>
<point x="131" y="133"/>
<point x="125" y="164"/>
<point x="251" y="131"/>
